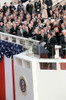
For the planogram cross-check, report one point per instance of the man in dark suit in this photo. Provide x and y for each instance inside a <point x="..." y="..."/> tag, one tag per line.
<point x="49" y="6"/>
<point x="5" y="8"/>
<point x="36" y="35"/>
<point x="12" y="8"/>
<point x="26" y="33"/>
<point x="57" y="34"/>
<point x="50" y="45"/>
<point x="64" y="6"/>
<point x="49" y="3"/>
<point x="29" y="7"/>
<point x="63" y="43"/>
<point x="13" y="30"/>
<point x="51" y="48"/>
<point x="54" y="37"/>
<point x="62" y="37"/>
<point x="37" y="6"/>
<point x="30" y="30"/>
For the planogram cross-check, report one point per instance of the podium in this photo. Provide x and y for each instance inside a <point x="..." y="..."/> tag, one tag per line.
<point x="42" y="52"/>
<point x="33" y="83"/>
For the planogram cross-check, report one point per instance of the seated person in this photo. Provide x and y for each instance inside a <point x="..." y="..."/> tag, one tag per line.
<point x="36" y="35"/>
<point x="26" y="33"/>
<point x="13" y="30"/>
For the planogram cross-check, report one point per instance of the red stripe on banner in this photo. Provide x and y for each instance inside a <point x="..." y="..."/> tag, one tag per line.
<point x="13" y="80"/>
<point x="2" y="81"/>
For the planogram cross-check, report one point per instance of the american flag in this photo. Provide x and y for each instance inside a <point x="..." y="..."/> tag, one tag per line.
<point x="7" y="85"/>
<point x="9" y="49"/>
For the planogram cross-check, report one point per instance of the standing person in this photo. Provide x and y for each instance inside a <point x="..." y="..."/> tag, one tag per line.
<point x="51" y="48"/>
<point x="63" y="43"/>
<point x="20" y="7"/>
<point x="30" y="30"/>
<point x="37" y="6"/>
<point x="5" y="8"/>
<point x="57" y="35"/>
<point x="49" y="6"/>
<point x="29" y="7"/>
<point x="12" y="8"/>
<point x="64" y="6"/>
<point x="44" y="10"/>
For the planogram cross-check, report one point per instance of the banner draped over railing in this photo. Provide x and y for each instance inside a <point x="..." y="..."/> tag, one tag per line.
<point x="7" y="82"/>
<point x="9" y="49"/>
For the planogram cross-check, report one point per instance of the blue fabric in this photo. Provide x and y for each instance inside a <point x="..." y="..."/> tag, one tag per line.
<point x="43" y="50"/>
<point x="19" y="8"/>
<point x="9" y="49"/>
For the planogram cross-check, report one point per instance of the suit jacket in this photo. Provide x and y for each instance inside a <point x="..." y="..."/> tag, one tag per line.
<point x="19" y="33"/>
<point x="12" y="8"/>
<point x="37" y="37"/>
<point x="62" y="40"/>
<point x="37" y="6"/>
<point x="45" y="38"/>
<point x="49" y="2"/>
<point x="30" y="32"/>
<point x="63" y="45"/>
<point x="58" y="37"/>
<point x="29" y="8"/>
<point x="5" y="9"/>
<point x="51" y="47"/>
<point x="64" y="7"/>
<point x="55" y="40"/>
<point x="26" y="34"/>
<point x="13" y="31"/>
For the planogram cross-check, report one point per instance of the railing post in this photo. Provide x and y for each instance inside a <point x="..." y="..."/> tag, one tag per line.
<point x="17" y="41"/>
<point x="9" y="39"/>
<point x="57" y="51"/>
<point x="58" y="66"/>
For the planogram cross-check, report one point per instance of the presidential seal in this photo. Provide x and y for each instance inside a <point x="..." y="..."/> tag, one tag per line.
<point x="23" y="85"/>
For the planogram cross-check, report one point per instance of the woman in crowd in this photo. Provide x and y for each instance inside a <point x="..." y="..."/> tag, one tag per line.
<point x="44" y="10"/>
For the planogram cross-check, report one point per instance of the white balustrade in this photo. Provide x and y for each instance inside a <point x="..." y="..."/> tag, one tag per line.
<point x="27" y="43"/>
<point x="41" y="84"/>
<point x="18" y="40"/>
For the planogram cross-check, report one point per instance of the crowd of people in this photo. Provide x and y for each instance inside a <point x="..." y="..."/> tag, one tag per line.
<point x="40" y="21"/>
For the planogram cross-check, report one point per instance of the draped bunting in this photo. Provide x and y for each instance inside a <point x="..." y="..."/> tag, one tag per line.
<point x="7" y="82"/>
<point x="9" y="49"/>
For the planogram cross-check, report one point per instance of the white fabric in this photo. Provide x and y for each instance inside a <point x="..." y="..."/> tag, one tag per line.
<point x="8" y="78"/>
